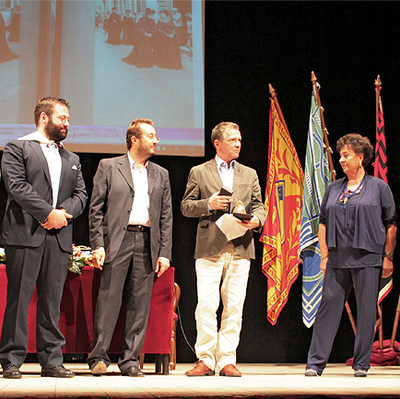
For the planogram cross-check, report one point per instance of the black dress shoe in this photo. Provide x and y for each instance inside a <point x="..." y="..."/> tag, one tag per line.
<point x="11" y="371"/>
<point x="133" y="371"/>
<point x="58" y="371"/>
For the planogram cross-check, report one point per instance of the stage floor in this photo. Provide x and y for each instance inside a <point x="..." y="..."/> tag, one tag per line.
<point x="259" y="380"/>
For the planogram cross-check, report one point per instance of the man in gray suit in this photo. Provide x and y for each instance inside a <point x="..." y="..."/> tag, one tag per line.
<point x="45" y="192"/>
<point x="130" y="221"/>
<point x="217" y="257"/>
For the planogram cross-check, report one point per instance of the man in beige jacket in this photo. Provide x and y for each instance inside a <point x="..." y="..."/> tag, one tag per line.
<point x="217" y="257"/>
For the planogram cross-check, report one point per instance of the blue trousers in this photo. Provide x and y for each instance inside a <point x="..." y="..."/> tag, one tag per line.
<point x="337" y="287"/>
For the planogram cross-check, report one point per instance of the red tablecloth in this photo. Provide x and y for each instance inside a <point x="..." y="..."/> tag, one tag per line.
<point x="78" y="307"/>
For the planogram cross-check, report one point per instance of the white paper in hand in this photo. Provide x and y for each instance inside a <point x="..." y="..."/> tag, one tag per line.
<point x="230" y="227"/>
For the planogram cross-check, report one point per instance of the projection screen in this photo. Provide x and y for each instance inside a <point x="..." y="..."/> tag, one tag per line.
<point x="98" y="56"/>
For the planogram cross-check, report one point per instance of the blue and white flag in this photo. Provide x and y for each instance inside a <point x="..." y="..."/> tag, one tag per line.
<point x="317" y="176"/>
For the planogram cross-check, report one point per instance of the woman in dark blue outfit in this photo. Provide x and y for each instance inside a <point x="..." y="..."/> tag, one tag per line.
<point x="357" y="237"/>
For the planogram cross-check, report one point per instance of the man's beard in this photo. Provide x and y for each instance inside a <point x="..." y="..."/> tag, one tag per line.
<point x="55" y="132"/>
<point x="145" y="151"/>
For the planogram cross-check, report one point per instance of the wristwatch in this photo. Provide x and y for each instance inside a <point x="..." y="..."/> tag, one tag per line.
<point x="389" y="255"/>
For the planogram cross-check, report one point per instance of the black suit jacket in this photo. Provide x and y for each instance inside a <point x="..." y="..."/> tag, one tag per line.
<point x="27" y="181"/>
<point x="111" y="204"/>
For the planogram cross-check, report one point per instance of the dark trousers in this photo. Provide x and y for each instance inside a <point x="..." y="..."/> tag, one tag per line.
<point x="47" y="267"/>
<point x="337" y="286"/>
<point x="131" y="275"/>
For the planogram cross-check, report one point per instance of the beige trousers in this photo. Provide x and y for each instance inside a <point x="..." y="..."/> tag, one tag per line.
<point x="218" y="348"/>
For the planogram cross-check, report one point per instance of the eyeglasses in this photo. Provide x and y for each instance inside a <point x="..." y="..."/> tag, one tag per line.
<point x="152" y="137"/>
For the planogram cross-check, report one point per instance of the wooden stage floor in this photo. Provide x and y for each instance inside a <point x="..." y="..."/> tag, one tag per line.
<point x="259" y="380"/>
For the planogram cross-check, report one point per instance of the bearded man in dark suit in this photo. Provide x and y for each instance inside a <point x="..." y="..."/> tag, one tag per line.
<point x="46" y="191"/>
<point x="217" y="258"/>
<point x="130" y="220"/>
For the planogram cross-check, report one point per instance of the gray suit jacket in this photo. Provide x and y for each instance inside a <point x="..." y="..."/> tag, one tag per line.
<point x="111" y="204"/>
<point x="27" y="181"/>
<point x="203" y="181"/>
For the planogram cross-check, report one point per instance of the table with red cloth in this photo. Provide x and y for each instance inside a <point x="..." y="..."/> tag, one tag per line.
<point x="78" y="309"/>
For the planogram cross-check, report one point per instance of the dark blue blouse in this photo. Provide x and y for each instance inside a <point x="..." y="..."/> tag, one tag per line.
<point x="356" y="233"/>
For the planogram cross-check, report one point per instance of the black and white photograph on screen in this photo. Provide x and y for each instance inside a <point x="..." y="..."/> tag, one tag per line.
<point x="9" y="50"/>
<point x="142" y="43"/>
<point x="115" y="60"/>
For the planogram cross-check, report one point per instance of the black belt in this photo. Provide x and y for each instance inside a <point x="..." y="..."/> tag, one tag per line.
<point x="137" y="228"/>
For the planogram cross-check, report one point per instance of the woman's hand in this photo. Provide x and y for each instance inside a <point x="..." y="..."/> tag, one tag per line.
<point x="323" y="247"/>
<point x="323" y="264"/>
<point x="387" y="267"/>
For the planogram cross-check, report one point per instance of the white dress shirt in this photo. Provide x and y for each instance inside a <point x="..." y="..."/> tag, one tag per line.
<point x="226" y="173"/>
<point x="141" y="202"/>
<point x="53" y="158"/>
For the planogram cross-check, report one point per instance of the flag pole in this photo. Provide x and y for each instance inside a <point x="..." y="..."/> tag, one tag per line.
<point x="395" y="324"/>
<point x="378" y="85"/>
<point x="324" y="129"/>
<point x="274" y="96"/>
<point x="331" y="168"/>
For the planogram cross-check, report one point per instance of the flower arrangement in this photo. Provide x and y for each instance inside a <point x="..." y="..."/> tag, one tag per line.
<point x="81" y="256"/>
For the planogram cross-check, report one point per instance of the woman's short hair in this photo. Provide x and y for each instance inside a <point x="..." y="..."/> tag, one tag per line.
<point x="359" y="144"/>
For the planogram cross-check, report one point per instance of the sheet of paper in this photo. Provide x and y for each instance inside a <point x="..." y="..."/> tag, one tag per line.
<point x="229" y="226"/>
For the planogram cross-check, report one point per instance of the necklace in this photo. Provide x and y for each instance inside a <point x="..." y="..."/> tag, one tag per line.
<point x="347" y="194"/>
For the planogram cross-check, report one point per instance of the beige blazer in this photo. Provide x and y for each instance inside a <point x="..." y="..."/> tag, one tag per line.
<point x="203" y="181"/>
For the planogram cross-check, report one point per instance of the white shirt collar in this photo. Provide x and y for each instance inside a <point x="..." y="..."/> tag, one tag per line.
<point x="220" y="162"/>
<point x="132" y="162"/>
<point x="36" y="136"/>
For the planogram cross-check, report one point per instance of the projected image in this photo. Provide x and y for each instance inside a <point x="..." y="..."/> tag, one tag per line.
<point x="114" y="61"/>
<point x="6" y="53"/>
<point x="9" y="38"/>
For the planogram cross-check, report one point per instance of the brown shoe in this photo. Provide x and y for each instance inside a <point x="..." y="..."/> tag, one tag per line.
<point x="58" y="372"/>
<point x="200" y="369"/>
<point x="11" y="371"/>
<point x="230" y="371"/>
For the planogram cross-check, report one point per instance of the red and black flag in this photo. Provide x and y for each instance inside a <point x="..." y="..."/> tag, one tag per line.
<point x="381" y="171"/>
<point x="380" y="165"/>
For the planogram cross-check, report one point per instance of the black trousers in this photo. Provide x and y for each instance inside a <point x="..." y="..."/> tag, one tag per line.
<point x="130" y="276"/>
<point x="337" y="286"/>
<point x="47" y="267"/>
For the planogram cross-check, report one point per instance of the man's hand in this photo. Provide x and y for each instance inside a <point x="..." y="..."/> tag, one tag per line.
<point x="387" y="270"/>
<point x="219" y="201"/>
<point x="251" y="224"/>
<point x="57" y="219"/>
<point x="161" y="266"/>
<point x="98" y="256"/>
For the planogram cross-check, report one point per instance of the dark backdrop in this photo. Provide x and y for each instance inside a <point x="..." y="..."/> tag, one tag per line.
<point x="249" y="44"/>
